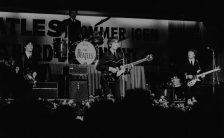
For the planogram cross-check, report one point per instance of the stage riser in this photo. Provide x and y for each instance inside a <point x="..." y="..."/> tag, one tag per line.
<point x="46" y="90"/>
<point x="205" y="92"/>
<point x="78" y="90"/>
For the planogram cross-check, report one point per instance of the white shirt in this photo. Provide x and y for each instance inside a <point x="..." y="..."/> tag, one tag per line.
<point x="192" y="61"/>
<point x="28" y="54"/>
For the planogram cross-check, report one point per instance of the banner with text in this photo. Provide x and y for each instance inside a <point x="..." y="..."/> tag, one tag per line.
<point x="137" y="33"/>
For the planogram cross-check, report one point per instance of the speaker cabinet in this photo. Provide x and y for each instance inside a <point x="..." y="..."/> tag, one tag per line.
<point x="46" y="90"/>
<point x="78" y="90"/>
<point x="75" y="70"/>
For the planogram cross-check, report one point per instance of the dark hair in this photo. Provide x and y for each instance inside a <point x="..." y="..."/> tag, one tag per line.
<point x="193" y="50"/>
<point x="27" y="42"/>
<point x="111" y="40"/>
<point x="72" y="11"/>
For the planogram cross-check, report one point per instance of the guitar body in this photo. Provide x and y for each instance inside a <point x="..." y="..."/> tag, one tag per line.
<point x="113" y="77"/>
<point x="109" y="76"/>
<point x="192" y="82"/>
<point x="28" y="76"/>
<point x="196" y="78"/>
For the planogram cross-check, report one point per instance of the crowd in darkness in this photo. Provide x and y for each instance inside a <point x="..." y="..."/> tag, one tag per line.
<point x="133" y="116"/>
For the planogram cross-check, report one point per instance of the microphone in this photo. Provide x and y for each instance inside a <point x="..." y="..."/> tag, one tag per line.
<point x="209" y="48"/>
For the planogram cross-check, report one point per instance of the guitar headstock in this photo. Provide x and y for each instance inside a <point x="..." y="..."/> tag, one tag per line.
<point x="149" y="57"/>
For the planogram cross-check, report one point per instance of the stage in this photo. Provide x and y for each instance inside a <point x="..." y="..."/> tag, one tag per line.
<point x="88" y="78"/>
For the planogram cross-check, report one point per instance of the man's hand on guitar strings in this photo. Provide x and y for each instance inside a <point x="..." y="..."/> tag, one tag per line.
<point x="130" y="66"/>
<point x="203" y="76"/>
<point x="189" y="76"/>
<point x="34" y="75"/>
<point x="17" y="69"/>
<point x="113" y="70"/>
<point x="198" y="71"/>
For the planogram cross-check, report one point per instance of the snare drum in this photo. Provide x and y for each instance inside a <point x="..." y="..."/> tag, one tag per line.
<point x="176" y="82"/>
<point x="85" y="53"/>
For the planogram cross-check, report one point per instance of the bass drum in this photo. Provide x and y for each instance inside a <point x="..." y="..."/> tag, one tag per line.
<point x="85" y="52"/>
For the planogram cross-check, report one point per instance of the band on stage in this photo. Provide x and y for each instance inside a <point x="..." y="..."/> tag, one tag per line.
<point x="112" y="64"/>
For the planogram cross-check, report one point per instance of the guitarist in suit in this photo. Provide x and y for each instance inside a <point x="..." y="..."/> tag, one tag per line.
<point x="110" y="88"/>
<point x="191" y="68"/>
<point x="27" y="63"/>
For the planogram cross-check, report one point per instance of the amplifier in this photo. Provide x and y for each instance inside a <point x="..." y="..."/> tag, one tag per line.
<point x="78" y="90"/>
<point x="75" y="70"/>
<point x="79" y="77"/>
<point x="46" y="90"/>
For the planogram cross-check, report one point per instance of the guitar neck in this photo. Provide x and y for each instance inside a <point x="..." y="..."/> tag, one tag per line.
<point x="136" y="62"/>
<point x="208" y="72"/>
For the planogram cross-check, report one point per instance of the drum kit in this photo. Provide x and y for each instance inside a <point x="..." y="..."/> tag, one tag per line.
<point x="85" y="51"/>
<point x="175" y="82"/>
<point x="170" y="87"/>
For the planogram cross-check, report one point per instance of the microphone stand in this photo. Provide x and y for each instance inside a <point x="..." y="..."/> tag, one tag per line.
<point x="66" y="77"/>
<point x="67" y="29"/>
<point x="214" y="73"/>
<point x="123" y="79"/>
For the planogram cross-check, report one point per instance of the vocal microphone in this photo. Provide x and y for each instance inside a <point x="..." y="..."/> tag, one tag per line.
<point x="209" y="48"/>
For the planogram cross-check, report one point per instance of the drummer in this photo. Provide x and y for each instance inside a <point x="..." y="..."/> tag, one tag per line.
<point x="177" y="85"/>
<point x="71" y="29"/>
<point x="97" y="38"/>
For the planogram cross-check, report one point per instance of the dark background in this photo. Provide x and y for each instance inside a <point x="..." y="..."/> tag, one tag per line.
<point x="181" y="37"/>
<point x="182" y="9"/>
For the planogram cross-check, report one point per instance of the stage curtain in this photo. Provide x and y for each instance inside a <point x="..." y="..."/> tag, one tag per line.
<point x="135" y="79"/>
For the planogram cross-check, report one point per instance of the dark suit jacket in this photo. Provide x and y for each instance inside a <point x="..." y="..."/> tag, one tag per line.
<point x="106" y="57"/>
<point x="26" y="63"/>
<point x="189" y="69"/>
<point x="74" y="29"/>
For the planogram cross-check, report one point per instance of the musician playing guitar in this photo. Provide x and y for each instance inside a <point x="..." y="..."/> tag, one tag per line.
<point x="191" y="68"/>
<point x="110" y="88"/>
<point x="27" y="64"/>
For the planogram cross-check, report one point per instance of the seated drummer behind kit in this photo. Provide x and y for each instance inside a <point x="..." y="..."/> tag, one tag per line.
<point x="105" y="65"/>
<point x="191" y="68"/>
<point x="71" y="29"/>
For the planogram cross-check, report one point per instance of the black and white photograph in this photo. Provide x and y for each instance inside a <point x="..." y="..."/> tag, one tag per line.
<point x="108" y="69"/>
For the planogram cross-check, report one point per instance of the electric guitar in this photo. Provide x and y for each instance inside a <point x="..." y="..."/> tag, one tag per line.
<point x="28" y="76"/>
<point x="113" y="77"/>
<point x="196" y="77"/>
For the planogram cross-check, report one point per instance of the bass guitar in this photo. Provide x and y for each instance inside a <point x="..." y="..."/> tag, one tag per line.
<point x="28" y="76"/>
<point x="113" y="77"/>
<point x="196" y="77"/>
